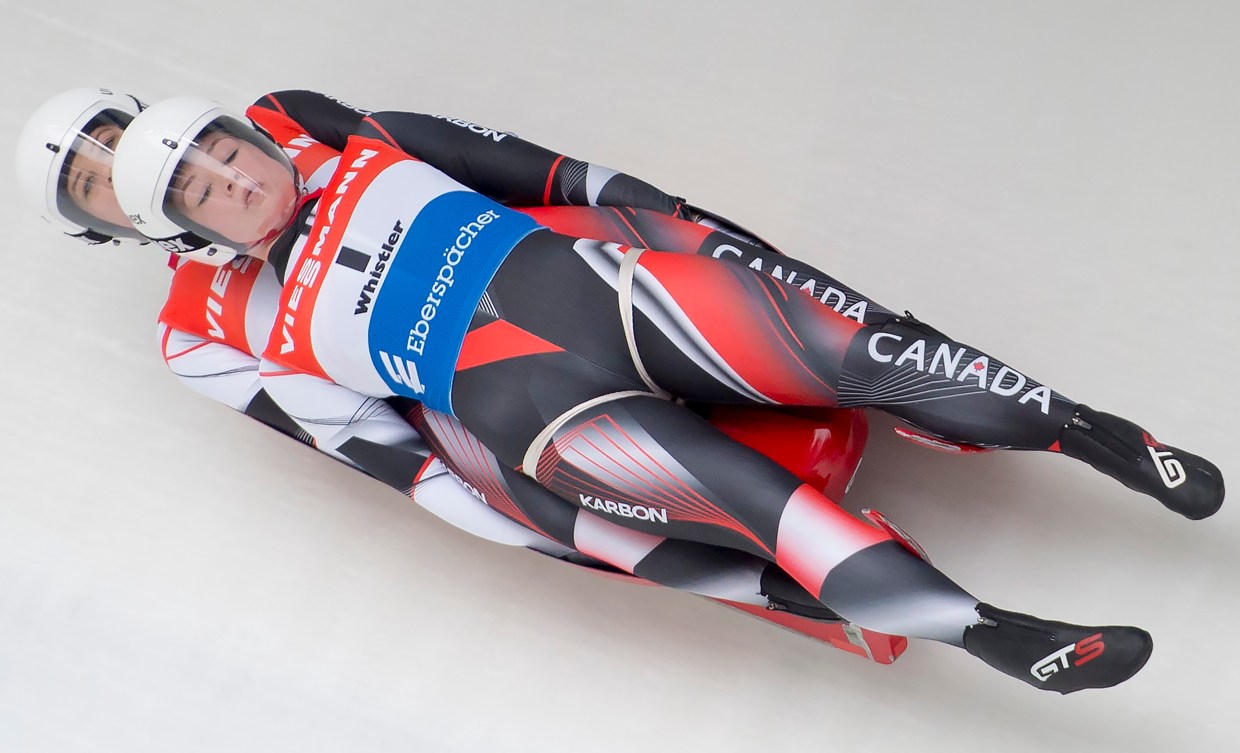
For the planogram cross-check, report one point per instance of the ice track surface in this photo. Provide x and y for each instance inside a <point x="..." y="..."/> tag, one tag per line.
<point x="1056" y="182"/>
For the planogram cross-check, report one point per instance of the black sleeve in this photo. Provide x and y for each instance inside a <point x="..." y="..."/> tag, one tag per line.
<point x="323" y="117"/>
<point x="511" y="170"/>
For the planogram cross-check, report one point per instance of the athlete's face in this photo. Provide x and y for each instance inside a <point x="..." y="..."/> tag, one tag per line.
<point x="89" y="175"/>
<point x="235" y="189"/>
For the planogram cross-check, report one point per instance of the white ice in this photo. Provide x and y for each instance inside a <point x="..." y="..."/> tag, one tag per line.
<point x="1056" y="182"/>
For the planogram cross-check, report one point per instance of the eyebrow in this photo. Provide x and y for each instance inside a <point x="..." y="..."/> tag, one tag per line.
<point x="75" y="180"/>
<point x="180" y="182"/>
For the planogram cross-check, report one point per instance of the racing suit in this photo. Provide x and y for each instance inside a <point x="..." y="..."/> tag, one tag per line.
<point x="338" y="262"/>
<point x="215" y="318"/>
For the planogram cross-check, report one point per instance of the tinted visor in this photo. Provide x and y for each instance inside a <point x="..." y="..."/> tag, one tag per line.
<point x="232" y="186"/>
<point x="84" y="192"/>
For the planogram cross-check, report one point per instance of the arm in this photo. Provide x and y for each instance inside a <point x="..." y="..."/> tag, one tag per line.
<point x="495" y="163"/>
<point x="323" y="117"/>
<point x="509" y="169"/>
<point x="225" y="375"/>
<point x="378" y="442"/>
<point x="367" y="433"/>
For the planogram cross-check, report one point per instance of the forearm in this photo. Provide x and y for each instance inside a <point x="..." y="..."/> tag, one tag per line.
<point x="511" y="170"/>
<point x="213" y="370"/>
<point x="361" y="430"/>
<point x="225" y="375"/>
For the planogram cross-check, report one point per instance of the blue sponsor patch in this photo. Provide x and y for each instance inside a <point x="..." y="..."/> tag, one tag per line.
<point x="435" y="280"/>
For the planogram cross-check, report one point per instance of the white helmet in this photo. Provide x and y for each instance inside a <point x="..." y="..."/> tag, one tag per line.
<point x="172" y="149"/>
<point x="80" y="122"/>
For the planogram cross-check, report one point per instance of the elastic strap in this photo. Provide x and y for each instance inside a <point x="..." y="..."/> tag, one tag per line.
<point x="628" y="268"/>
<point x="529" y="464"/>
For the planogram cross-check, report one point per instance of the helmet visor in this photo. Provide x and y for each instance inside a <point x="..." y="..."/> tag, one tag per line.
<point x="84" y="192"/>
<point x="232" y="186"/>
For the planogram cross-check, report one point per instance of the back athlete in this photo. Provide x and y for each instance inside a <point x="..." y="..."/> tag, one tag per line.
<point x="583" y="411"/>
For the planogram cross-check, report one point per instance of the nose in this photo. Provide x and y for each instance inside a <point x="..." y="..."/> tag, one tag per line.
<point x="229" y="185"/>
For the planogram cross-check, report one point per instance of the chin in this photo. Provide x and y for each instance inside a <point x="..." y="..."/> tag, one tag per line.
<point x="278" y="221"/>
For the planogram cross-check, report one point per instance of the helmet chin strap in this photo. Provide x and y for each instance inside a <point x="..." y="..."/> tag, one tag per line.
<point x="93" y="237"/>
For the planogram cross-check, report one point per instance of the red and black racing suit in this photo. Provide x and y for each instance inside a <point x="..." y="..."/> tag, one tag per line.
<point x="685" y="565"/>
<point x="642" y="452"/>
<point x="625" y="328"/>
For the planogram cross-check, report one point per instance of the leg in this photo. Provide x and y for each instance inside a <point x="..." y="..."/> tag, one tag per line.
<point x="713" y="332"/>
<point x="643" y="228"/>
<point x="657" y="467"/>
<point x="651" y="465"/>
<point x="703" y="569"/>
<point x="582" y="427"/>
<point x="509" y="398"/>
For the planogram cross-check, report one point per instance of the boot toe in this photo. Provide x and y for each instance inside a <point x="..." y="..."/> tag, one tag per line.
<point x="1201" y="492"/>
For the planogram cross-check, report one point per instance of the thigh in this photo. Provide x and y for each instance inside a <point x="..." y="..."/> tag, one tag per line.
<point x="506" y="403"/>
<point x="716" y="332"/>
<point x="545" y="338"/>
<point x="563" y="292"/>
<point x="653" y="465"/>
